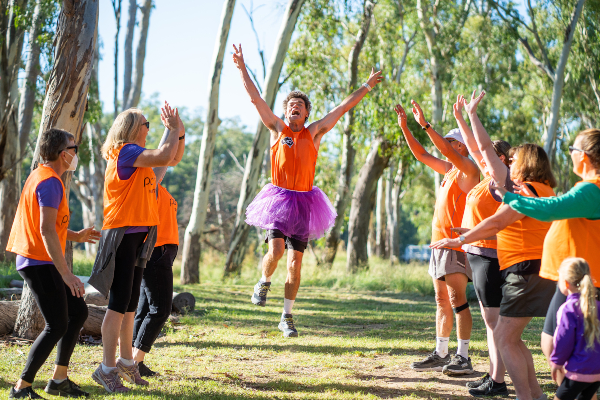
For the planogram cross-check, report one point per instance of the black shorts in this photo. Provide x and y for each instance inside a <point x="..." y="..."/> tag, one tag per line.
<point x="487" y="279"/>
<point x="290" y="243"/>
<point x="571" y="390"/>
<point x="526" y="295"/>
<point x="551" y="319"/>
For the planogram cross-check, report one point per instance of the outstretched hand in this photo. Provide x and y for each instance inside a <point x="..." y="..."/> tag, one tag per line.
<point x="169" y="117"/>
<point x="238" y="57"/>
<point x="446" y="243"/>
<point x="402" y="119"/>
<point x="374" y="78"/>
<point x="418" y="113"/>
<point x="88" y="235"/>
<point x="471" y="107"/>
<point x="458" y="106"/>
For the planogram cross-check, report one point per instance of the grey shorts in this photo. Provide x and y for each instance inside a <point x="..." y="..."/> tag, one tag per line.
<point x="446" y="261"/>
<point x="526" y="295"/>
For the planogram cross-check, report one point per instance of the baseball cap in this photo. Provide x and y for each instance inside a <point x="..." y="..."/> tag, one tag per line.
<point x="456" y="135"/>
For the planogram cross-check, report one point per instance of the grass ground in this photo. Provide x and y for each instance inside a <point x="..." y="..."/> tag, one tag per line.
<point x="354" y="343"/>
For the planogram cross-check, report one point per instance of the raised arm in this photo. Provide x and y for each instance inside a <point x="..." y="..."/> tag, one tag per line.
<point x="324" y="125"/>
<point x="164" y="155"/>
<point x="271" y="121"/>
<point x="439" y="166"/>
<point x="461" y="162"/>
<point x="466" y="132"/>
<point x="161" y="171"/>
<point x="497" y="168"/>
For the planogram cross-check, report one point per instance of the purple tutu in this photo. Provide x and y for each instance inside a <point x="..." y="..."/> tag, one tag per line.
<point x="300" y="215"/>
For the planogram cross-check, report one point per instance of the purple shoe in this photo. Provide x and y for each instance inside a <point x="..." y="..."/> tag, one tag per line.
<point x="111" y="381"/>
<point x="131" y="373"/>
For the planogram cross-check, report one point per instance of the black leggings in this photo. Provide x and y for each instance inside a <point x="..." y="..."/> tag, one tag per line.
<point x="64" y="315"/>
<point x="125" y="288"/>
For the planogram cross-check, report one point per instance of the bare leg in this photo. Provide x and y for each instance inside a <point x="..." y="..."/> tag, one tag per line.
<point x="60" y="372"/>
<point x="294" y="266"/>
<point x="490" y="317"/>
<point x="111" y="328"/>
<point x="138" y="355"/>
<point x="456" y="284"/>
<point x="270" y="260"/>
<point x="443" y="314"/>
<point x="21" y="384"/>
<point x="126" y="336"/>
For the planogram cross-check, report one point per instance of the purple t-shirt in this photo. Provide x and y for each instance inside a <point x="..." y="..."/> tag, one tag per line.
<point x="49" y="193"/>
<point x="127" y="157"/>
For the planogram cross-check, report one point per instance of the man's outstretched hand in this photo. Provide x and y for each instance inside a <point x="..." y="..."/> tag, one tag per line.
<point x="238" y="57"/>
<point x="374" y="78"/>
<point x="402" y="119"/>
<point x="418" y="113"/>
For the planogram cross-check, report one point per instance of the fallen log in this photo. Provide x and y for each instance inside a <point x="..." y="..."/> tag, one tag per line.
<point x="11" y="293"/>
<point x="93" y="324"/>
<point x="8" y="315"/>
<point x="95" y="298"/>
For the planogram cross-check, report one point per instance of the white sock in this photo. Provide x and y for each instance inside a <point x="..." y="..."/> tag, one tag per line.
<point x="463" y="348"/>
<point x="59" y="381"/>
<point x="127" y="362"/>
<point x="265" y="278"/>
<point x="287" y="306"/>
<point x="441" y="346"/>
<point x="106" y="369"/>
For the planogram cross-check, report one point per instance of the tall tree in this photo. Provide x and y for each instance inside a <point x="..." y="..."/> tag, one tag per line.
<point x="128" y="50"/>
<point x="117" y="10"/>
<point x="238" y="244"/>
<point x="138" y="73"/>
<point x="64" y="107"/>
<point x="191" y="246"/>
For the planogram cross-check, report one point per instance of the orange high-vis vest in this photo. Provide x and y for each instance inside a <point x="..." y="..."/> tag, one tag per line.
<point x="577" y="237"/>
<point x="479" y="206"/>
<point x="130" y="202"/>
<point x="449" y="208"/>
<point x="524" y="240"/>
<point x="293" y="160"/>
<point x="167" y="232"/>
<point x="25" y="236"/>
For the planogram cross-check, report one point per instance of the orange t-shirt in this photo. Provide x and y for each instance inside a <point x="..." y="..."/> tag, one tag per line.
<point x="130" y="202"/>
<point x="523" y="240"/>
<point x="293" y="160"/>
<point x="449" y="208"/>
<point x="25" y="236"/>
<point x="576" y="237"/>
<point x="480" y="205"/>
<point x="167" y="232"/>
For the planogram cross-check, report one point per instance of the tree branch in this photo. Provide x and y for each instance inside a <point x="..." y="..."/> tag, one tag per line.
<point x="237" y="163"/>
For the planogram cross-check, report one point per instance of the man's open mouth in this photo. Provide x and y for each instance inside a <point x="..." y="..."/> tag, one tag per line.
<point x="295" y="112"/>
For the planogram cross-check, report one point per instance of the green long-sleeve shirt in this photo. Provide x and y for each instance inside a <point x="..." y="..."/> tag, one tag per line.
<point x="582" y="201"/>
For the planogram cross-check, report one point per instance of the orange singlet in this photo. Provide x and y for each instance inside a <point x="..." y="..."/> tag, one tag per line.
<point x="524" y="240"/>
<point x="577" y="237"/>
<point x="25" y="236"/>
<point x="167" y="232"/>
<point x="293" y="160"/>
<point x="480" y="205"/>
<point x="449" y="208"/>
<point x="130" y="202"/>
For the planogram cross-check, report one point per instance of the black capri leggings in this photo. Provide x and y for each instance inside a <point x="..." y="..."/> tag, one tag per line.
<point x="125" y="288"/>
<point x="64" y="315"/>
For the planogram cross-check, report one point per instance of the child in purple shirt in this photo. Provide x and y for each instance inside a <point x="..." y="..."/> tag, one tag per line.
<point x="577" y="338"/>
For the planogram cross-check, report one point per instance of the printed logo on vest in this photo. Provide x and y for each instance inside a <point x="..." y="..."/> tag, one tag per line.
<point x="65" y="220"/>
<point x="288" y="140"/>
<point x="172" y="203"/>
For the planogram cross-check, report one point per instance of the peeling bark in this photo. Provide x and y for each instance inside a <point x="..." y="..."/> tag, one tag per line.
<point x="138" y="74"/>
<point x="128" y="50"/>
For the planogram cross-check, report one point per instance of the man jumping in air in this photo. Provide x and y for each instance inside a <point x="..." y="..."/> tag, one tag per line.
<point x="291" y="209"/>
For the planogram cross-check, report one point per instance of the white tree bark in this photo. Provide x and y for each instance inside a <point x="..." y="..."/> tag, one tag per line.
<point x="380" y="218"/>
<point x="239" y="236"/>
<point x="128" y="50"/>
<point x="138" y="74"/>
<point x="193" y="233"/>
<point x="394" y="194"/>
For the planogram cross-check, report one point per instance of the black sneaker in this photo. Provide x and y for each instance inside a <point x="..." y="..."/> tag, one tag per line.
<point x="259" y="297"/>
<point x="433" y="362"/>
<point x="287" y="326"/>
<point x="479" y="382"/>
<point x="25" y="393"/>
<point x="490" y="389"/>
<point x="145" y="371"/>
<point x="66" y="388"/>
<point x="458" y="366"/>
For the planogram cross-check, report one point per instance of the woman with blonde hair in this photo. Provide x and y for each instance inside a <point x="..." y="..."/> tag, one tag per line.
<point x="128" y="235"/>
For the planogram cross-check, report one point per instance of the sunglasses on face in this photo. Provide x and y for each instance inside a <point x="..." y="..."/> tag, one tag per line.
<point x="572" y="149"/>
<point x="147" y="123"/>
<point x="74" y="147"/>
<point x="451" y="140"/>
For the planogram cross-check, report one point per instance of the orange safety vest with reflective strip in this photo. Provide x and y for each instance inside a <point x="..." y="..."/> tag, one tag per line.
<point x="293" y="160"/>
<point x="25" y="236"/>
<point x="167" y="230"/>
<point x="449" y="208"/>
<point x="480" y="205"/>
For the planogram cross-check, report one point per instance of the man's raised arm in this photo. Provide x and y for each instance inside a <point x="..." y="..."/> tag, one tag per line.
<point x="271" y="121"/>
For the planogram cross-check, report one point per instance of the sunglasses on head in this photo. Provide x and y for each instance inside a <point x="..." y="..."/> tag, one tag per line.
<point x="74" y="147"/>
<point x="572" y="149"/>
<point x="147" y="123"/>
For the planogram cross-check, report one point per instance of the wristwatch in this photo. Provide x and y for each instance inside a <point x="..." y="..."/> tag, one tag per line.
<point x="461" y="238"/>
<point x="426" y="126"/>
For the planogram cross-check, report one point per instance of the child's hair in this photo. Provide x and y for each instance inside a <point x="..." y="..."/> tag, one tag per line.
<point x="576" y="271"/>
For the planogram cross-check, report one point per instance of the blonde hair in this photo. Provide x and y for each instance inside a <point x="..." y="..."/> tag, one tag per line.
<point x="576" y="271"/>
<point x="124" y="130"/>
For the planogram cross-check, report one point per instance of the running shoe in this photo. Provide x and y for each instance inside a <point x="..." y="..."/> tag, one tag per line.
<point x="259" y="297"/>
<point x="478" y="382"/>
<point x="145" y="371"/>
<point x="287" y="326"/>
<point x="111" y="381"/>
<point x="66" y="388"/>
<point x="490" y="389"/>
<point x="433" y="362"/>
<point x="131" y="373"/>
<point x="458" y="366"/>
<point x="25" y="393"/>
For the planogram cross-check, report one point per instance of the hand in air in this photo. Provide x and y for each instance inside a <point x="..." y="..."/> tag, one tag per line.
<point x="446" y="243"/>
<point x="75" y="284"/>
<point x="402" y="119"/>
<point x="418" y="113"/>
<point x="238" y="57"/>
<point x="458" y="106"/>
<point x="88" y="235"/>
<point x="181" y="126"/>
<point x="374" y="78"/>
<point x="471" y="107"/>
<point x="169" y="117"/>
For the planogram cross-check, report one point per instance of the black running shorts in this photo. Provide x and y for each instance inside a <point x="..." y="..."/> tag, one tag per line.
<point x="487" y="279"/>
<point x="571" y="390"/>
<point x="290" y="243"/>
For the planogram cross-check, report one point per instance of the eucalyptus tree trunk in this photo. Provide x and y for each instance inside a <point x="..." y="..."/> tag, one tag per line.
<point x="348" y="152"/>
<point x="138" y="73"/>
<point x="238" y="244"/>
<point x="64" y="108"/>
<point x="117" y="9"/>
<point x="380" y="219"/>
<point x="190" y="266"/>
<point x="394" y="194"/>
<point x="11" y="45"/>
<point x="363" y="202"/>
<point x="128" y="50"/>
